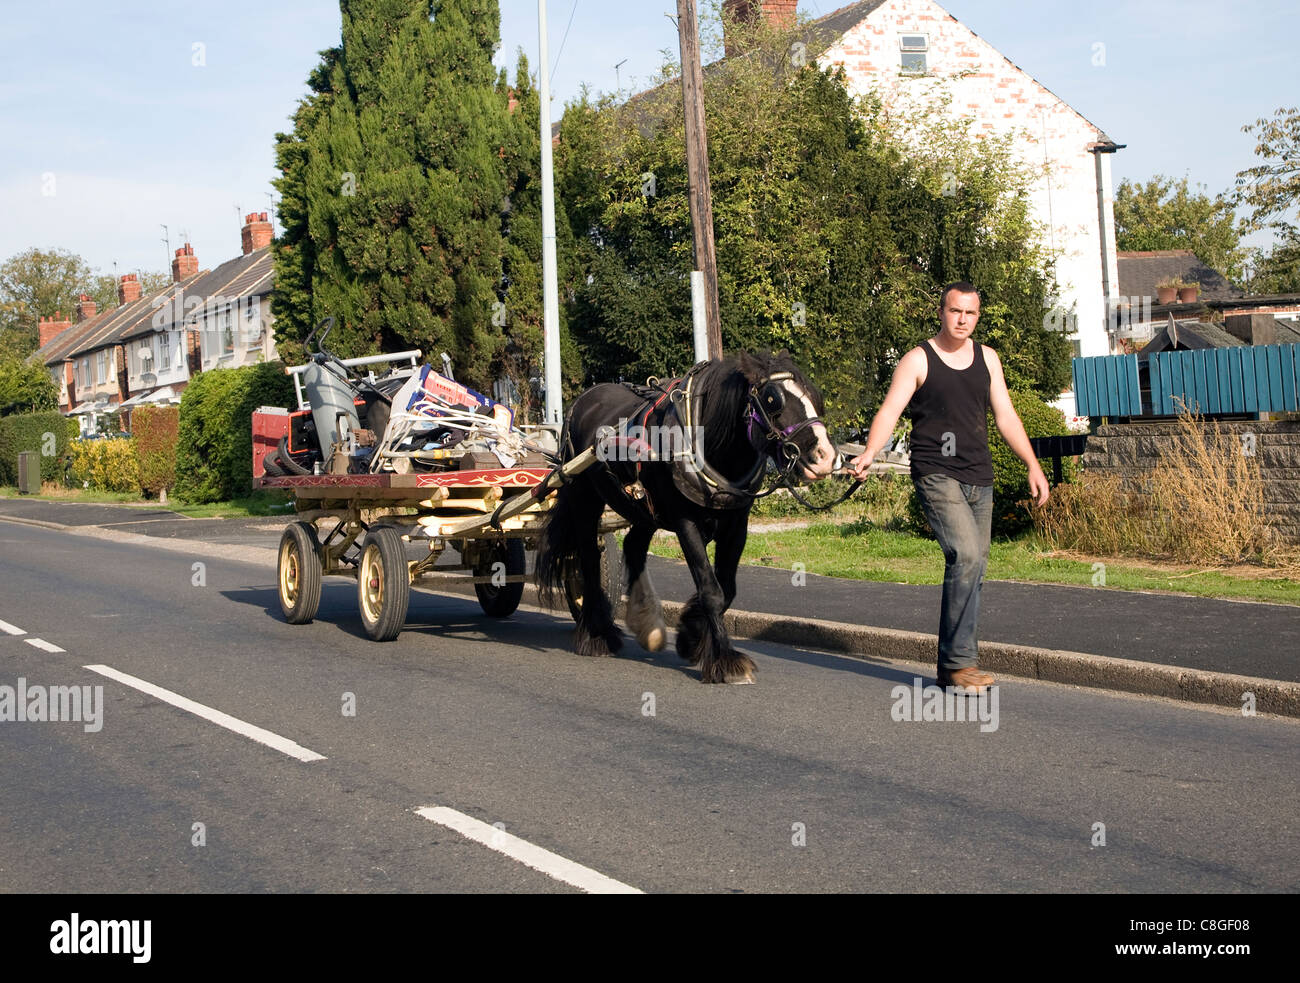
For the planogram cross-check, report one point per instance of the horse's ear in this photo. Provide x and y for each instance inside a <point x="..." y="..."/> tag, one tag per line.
<point x="750" y="367"/>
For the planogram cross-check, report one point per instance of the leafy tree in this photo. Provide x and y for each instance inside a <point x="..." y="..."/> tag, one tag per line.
<point x="833" y="235"/>
<point x="393" y="183"/>
<point x="34" y="284"/>
<point x="1277" y="271"/>
<point x="38" y="283"/>
<point x="1272" y="189"/>
<point x="1167" y="214"/>
<point x="25" y="388"/>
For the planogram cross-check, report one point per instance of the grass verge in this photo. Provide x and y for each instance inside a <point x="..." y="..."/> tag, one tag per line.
<point x="258" y="503"/>
<point x="857" y="551"/>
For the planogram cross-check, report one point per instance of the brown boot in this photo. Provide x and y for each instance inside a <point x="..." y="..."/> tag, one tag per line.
<point x="968" y="682"/>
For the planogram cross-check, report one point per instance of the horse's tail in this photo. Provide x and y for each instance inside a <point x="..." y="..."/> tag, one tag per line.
<point x="558" y="547"/>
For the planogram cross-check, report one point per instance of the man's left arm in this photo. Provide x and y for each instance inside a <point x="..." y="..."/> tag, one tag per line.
<point x="1012" y="430"/>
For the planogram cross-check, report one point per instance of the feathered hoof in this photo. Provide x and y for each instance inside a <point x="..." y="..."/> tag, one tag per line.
<point x="600" y="646"/>
<point x="733" y="668"/>
<point x="653" y="640"/>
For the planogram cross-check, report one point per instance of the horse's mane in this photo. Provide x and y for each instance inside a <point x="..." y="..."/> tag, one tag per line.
<point x="724" y="386"/>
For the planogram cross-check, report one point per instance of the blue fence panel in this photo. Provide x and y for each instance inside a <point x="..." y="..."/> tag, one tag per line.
<point x="1132" y="386"/>
<point x="1156" y="371"/>
<point x="1289" y="378"/>
<point x="1107" y="385"/>
<point x="1177" y="385"/>
<point x="1249" y="381"/>
<point x="1224" y="385"/>
<point x="1236" y="380"/>
<point x="1201" y="387"/>
<point x="1212" y="380"/>
<point x="1273" y="359"/>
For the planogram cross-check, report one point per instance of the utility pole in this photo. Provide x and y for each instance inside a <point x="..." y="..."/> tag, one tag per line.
<point x="550" y="289"/>
<point x="697" y="171"/>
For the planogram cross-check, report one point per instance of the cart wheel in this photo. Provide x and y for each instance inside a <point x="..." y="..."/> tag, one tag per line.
<point x="383" y="584"/>
<point x="573" y="583"/>
<point x="500" y="602"/>
<point x="299" y="573"/>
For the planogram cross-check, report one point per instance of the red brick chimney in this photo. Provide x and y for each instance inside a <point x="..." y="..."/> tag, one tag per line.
<point x="256" y="233"/>
<point x="50" y="327"/>
<point x="85" y="308"/>
<point x="186" y="264"/>
<point x="128" y="288"/>
<point x="778" y="13"/>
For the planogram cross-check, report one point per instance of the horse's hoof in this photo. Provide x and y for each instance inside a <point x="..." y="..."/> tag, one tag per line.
<point x="653" y="640"/>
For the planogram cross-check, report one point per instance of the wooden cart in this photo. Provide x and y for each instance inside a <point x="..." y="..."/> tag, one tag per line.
<point x="360" y="526"/>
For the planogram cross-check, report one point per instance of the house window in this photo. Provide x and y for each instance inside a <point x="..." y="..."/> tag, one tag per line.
<point x="83" y="373"/>
<point x="228" y="333"/>
<point x="914" y="47"/>
<point x="164" y="352"/>
<point x="252" y="327"/>
<point x="101" y="367"/>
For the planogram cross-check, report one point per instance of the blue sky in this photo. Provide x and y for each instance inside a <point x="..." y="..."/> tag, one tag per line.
<point x="119" y="118"/>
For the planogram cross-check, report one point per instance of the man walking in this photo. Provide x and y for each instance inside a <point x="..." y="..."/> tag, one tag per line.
<point x="949" y="384"/>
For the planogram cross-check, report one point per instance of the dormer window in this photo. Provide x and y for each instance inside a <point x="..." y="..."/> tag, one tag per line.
<point x="914" y="48"/>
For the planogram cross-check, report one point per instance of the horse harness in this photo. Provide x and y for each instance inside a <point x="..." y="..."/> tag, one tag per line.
<point x="696" y="479"/>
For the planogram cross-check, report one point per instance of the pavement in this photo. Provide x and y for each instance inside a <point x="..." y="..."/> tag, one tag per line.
<point x="1187" y="648"/>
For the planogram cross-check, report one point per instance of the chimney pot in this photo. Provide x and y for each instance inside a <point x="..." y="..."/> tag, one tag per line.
<point x="128" y="289"/>
<point x="50" y="327"/>
<point x="185" y="264"/>
<point x="256" y="233"/>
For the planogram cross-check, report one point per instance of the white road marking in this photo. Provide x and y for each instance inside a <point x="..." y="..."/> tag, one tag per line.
<point x="9" y="629"/>
<point x="282" y="744"/>
<point x="551" y="864"/>
<point x="42" y="644"/>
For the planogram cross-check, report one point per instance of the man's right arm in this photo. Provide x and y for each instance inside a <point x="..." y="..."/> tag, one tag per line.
<point x="907" y="378"/>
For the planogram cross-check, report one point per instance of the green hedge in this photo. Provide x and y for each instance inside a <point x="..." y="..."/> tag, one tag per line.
<point x="27" y="432"/>
<point x="1010" y="476"/>
<point x="154" y="431"/>
<point x="214" y="455"/>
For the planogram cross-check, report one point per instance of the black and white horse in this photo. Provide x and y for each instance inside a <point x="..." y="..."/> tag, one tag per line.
<point x="688" y="457"/>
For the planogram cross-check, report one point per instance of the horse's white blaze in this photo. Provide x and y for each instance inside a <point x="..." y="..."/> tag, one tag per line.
<point x="825" y="450"/>
<point x="645" y="616"/>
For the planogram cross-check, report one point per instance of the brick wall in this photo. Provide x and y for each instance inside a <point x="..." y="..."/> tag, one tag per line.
<point x="1129" y="450"/>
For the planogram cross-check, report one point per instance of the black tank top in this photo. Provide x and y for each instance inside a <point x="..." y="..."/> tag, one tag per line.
<point x="950" y="421"/>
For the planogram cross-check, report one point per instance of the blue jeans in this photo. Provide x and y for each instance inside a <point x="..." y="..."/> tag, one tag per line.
<point x="961" y="516"/>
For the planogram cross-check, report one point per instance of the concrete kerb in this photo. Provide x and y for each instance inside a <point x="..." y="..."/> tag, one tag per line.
<point x="1220" y="689"/>
<point x="1226" y="690"/>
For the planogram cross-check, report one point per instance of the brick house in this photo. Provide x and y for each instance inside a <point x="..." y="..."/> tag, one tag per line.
<point x="147" y="348"/>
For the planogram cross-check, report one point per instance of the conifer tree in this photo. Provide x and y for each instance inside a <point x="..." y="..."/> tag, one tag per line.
<point x="393" y="185"/>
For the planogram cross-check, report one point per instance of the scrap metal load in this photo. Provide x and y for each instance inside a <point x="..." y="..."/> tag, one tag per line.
<point x="409" y="419"/>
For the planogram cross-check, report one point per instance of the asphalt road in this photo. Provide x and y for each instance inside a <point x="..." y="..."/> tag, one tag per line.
<point x="803" y="782"/>
<point x="1239" y="637"/>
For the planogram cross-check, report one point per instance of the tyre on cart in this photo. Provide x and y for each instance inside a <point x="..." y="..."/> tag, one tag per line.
<point x="499" y="600"/>
<point x="299" y="573"/>
<point x="383" y="583"/>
